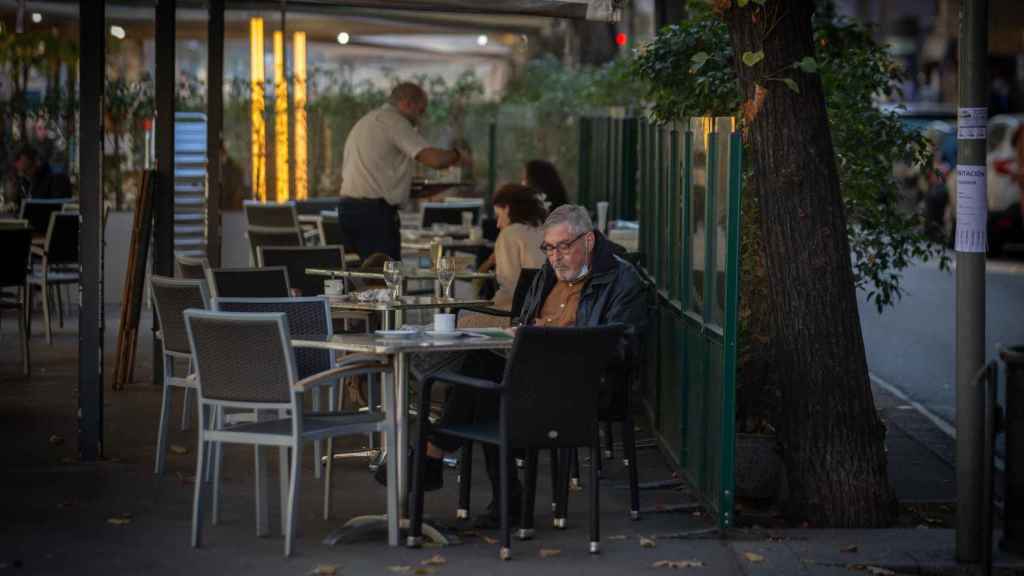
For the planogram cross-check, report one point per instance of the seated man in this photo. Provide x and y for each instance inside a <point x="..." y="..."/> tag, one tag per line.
<point x="582" y="284"/>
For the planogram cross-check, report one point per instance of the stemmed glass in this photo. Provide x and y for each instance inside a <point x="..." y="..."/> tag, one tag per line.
<point x="393" y="277"/>
<point x="446" y="274"/>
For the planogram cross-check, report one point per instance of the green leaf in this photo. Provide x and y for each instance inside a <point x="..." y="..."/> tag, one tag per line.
<point x="808" y="64"/>
<point x="791" y="84"/>
<point x="698" y="60"/>
<point x="742" y="3"/>
<point x="752" y="58"/>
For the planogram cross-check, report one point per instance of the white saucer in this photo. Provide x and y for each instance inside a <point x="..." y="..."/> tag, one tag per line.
<point x="395" y="333"/>
<point x="444" y="335"/>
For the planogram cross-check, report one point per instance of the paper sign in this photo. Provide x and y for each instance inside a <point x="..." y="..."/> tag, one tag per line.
<point x="972" y="124"/>
<point x="971" y="209"/>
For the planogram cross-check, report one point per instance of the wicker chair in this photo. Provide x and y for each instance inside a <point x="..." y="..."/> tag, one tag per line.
<point x="224" y="345"/>
<point x="191" y="267"/>
<point x="269" y="282"/>
<point x="14" y="262"/>
<point x="60" y="264"/>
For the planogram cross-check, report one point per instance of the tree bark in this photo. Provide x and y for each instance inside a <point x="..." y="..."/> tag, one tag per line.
<point x="832" y="438"/>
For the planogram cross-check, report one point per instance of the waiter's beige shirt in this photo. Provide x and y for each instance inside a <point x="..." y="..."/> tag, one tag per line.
<point x="379" y="160"/>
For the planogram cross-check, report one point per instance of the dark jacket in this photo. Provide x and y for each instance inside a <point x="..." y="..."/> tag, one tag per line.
<point x="615" y="293"/>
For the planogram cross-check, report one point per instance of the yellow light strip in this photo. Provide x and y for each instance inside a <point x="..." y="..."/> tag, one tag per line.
<point x="259" y="123"/>
<point x="299" y="69"/>
<point x="280" y="119"/>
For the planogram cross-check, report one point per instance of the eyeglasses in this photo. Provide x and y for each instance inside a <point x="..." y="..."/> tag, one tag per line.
<point x="561" y="247"/>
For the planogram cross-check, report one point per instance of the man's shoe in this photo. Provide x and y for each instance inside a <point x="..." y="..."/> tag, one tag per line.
<point x="433" y="477"/>
<point x="491" y="519"/>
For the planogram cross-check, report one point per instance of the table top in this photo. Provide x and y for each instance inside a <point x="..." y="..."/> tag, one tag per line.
<point x="477" y="339"/>
<point x="417" y="274"/>
<point x="406" y="303"/>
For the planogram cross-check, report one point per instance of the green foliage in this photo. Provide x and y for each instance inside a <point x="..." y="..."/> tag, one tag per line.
<point x="689" y="70"/>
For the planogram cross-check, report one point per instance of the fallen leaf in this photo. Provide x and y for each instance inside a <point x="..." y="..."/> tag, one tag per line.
<point x="488" y="539"/>
<point x="618" y="537"/>
<point x="56" y="439"/>
<point x="850" y="548"/>
<point x="119" y="520"/>
<point x="753" y="557"/>
<point x="435" y="560"/>
<point x="400" y="569"/>
<point x="647" y="542"/>
<point x="678" y="564"/>
<point x="325" y="570"/>
<point x="549" y="552"/>
<point x="178" y="449"/>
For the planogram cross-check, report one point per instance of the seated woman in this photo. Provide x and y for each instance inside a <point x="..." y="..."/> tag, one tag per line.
<point x="520" y="215"/>
<point x="543" y="177"/>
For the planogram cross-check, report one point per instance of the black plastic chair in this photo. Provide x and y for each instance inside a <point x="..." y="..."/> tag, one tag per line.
<point x="269" y="282"/>
<point x="296" y="259"/>
<point x="59" y="262"/>
<point x="548" y="371"/>
<point x="14" y="264"/>
<point x="523" y="283"/>
<point x="37" y="211"/>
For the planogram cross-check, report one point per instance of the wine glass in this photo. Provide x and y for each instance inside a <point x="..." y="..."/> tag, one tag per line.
<point x="446" y="274"/>
<point x="393" y="277"/>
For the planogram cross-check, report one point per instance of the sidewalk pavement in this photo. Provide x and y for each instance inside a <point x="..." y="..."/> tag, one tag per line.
<point x="116" y="517"/>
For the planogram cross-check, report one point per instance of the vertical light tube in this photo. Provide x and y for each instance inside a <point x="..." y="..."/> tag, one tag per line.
<point x="299" y="69"/>
<point x="259" y="123"/>
<point x="280" y="119"/>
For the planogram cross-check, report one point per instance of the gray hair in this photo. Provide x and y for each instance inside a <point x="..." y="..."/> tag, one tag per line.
<point x="407" y="91"/>
<point x="575" y="216"/>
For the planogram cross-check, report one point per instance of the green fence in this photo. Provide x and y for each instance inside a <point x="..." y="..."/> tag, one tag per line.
<point x="689" y="181"/>
<point x="607" y="164"/>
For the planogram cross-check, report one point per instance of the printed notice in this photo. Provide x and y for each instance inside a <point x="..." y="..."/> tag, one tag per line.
<point x="971" y="209"/>
<point x="972" y="124"/>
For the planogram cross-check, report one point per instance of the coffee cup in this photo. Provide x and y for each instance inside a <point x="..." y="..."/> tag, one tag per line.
<point x="334" y="287"/>
<point x="444" y="322"/>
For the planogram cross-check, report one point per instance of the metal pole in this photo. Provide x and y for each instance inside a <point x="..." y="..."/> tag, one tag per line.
<point x="214" y="130"/>
<point x="163" y="202"/>
<point x="970" y="274"/>
<point x="92" y="37"/>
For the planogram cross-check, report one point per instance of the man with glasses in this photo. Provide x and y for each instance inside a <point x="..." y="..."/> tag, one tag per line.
<point x="583" y="283"/>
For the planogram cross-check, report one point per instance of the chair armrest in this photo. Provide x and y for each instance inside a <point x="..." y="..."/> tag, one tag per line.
<point x="460" y="380"/>
<point x="38" y="251"/>
<point x="333" y="374"/>
<point x="489" y="311"/>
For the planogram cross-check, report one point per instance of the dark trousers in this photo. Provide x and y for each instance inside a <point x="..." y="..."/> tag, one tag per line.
<point x="370" y="226"/>
<point x="465" y="405"/>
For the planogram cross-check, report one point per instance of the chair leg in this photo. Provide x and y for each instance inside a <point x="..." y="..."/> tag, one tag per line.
<point x="629" y="447"/>
<point x="216" y="451"/>
<point x="504" y="457"/>
<point x="574" y="465"/>
<point x="554" y="479"/>
<point x="391" y="445"/>
<point x="561" y="490"/>
<point x="282" y="461"/>
<point x="186" y="408"/>
<point x="595" y="511"/>
<point x="293" y="502"/>
<point x="60" y="305"/>
<point x="328" y="475"/>
<point x="317" y="444"/>
<point x="23" y="335"/>
<point x="262" y="473"/>
<point x="162" y="429"/>
<point x="197" y="499"/>
<point x="372" y="391"/>
<point x="465" y="480"/>
<point x="529" y="495"/>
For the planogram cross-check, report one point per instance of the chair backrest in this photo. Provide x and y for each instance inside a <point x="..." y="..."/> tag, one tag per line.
<point x="14" y="258"/>
<point x="62" y="238"/>
<point x="306" y="317"/>
<point x="297" y="259"/>
<point x="262" y="215"/>
<point x="241" y="358"/>
<point x="526" y="276"/>
<point x="553" y="375"/>
<point x="269" y="282"/>
<point x="171" y="297"/>
<point x="191" y="267"/>
<point x="448" y="212"/>
<point x="314" y="206"/>
<point x="272" y="237"/>
<point x="37" y="211"/>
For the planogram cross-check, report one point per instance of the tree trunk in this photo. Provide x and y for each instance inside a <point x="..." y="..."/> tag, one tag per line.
<point x="833" y="441"/>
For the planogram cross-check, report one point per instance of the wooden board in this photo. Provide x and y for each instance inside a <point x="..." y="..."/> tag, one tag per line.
<point x="134" y="282"/>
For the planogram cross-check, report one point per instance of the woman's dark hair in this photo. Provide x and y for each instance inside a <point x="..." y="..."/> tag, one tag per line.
<point x="543" y="176"/>
<point x="524" y="206"/>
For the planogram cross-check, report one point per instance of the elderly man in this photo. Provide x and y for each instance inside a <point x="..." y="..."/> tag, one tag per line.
<point x="583" y="283"/>
<point x="379" y="161"/>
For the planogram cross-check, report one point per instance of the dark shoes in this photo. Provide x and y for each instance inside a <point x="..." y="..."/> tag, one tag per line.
<point x="491" y="518"/>
<point x="433" y="476"/>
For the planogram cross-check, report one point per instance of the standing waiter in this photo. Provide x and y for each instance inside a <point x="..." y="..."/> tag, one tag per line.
<point x="377" y="170"/>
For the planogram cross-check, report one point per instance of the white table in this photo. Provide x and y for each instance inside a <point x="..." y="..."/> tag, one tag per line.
<point x="397" y="349"/>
